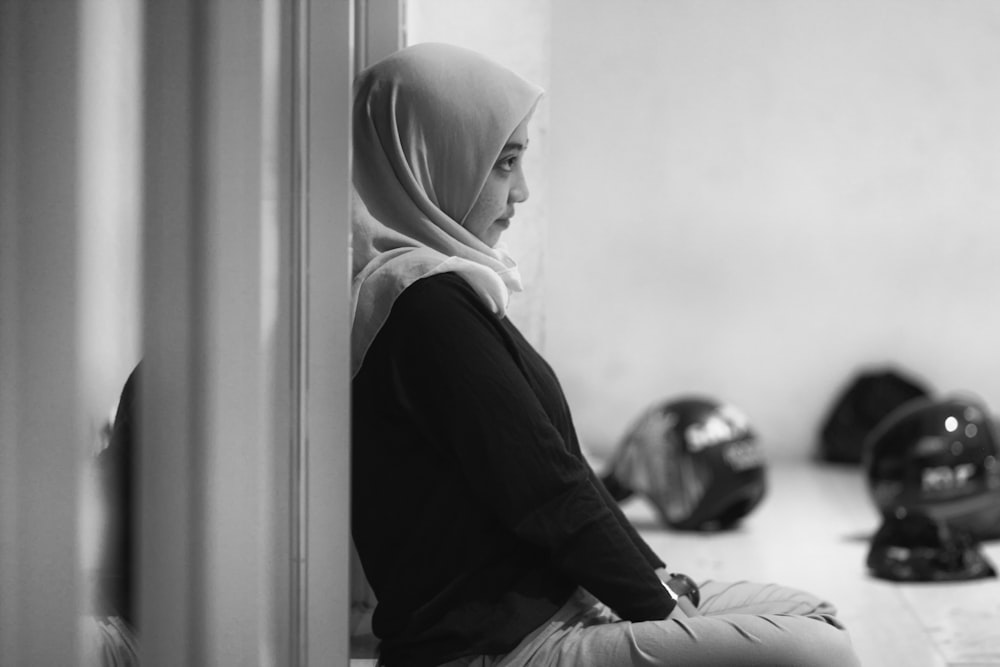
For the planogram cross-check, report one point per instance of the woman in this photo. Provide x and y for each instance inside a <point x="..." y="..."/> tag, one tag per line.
<point x="485" y="535"/>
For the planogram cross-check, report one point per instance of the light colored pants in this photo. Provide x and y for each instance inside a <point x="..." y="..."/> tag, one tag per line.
<point x="741" y="624"/>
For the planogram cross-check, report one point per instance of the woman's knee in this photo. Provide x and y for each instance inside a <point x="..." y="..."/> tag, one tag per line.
<point x="827" y="645"/>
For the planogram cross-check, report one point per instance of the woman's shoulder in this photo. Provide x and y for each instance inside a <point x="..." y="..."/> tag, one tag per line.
<point x="442" y="308"/>
<point x="440" y="294"/>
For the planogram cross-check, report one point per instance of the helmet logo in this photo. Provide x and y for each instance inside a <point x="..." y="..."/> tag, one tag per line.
<point x="946" y="478"/>
<point x="743" y="455"/>
<point x="726" y="424"/>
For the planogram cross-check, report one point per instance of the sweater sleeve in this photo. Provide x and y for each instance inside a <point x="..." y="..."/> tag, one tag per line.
<point x="467" y="392"/>
<point x="654" y="560"/>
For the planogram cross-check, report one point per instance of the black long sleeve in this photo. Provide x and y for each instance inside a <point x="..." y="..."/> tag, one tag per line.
<point x="474" y="511"/>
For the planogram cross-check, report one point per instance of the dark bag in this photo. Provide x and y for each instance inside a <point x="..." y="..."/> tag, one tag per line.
<point x="866" y="400"/>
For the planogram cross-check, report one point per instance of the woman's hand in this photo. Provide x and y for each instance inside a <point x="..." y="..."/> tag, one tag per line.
<point x="683" y="609"/>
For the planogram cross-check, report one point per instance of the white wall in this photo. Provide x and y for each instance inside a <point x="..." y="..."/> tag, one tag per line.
<point x="753" y="198"/>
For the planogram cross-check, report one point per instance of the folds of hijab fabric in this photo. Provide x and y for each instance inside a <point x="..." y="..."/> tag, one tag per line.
<point x="429" y="124"/>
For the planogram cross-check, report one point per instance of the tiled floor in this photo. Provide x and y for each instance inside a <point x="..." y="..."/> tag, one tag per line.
<point x="812" y="532"/>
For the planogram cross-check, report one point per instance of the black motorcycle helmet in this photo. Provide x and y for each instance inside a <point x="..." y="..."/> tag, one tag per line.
<point x="695" y="459"/>
<point x="933" y="472"/>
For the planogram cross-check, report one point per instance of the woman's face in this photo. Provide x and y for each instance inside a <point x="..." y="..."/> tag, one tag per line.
<point x="505" y="186"/>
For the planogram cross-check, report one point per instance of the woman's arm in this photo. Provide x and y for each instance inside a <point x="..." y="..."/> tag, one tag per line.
<point x="685" y="608"/>
<point x="651" y="557"/>
<point x="484" y="412"/>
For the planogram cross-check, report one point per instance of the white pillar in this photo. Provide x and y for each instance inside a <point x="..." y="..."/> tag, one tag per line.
<point x="325" y="141"/>
<point x="41" y="416"/>
<point x="222" y="580"/>
<point x="65" y="335"/>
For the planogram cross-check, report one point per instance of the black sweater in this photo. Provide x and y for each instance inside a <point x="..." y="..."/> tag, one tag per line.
<point x="473" y="510"/>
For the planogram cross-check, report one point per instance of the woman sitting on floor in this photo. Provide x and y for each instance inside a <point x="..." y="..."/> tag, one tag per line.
<point x="485" y="535"/>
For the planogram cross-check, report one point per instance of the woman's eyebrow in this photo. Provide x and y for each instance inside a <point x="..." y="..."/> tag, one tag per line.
<point x="516" y="145"/>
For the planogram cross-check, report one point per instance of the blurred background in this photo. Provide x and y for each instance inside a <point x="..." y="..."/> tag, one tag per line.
<point x="753" y="200"/>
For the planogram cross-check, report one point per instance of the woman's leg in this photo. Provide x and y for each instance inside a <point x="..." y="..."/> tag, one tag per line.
<point x="742" y="624"/>
<point x="746" y="597"/>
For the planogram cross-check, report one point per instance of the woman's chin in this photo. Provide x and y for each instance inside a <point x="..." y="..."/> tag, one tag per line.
<point x="495" y="232"/>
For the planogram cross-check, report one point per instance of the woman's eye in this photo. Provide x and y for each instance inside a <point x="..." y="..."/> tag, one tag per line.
<point x="507" y="163"/>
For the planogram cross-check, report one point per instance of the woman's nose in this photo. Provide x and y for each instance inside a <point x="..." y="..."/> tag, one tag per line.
<point x="519" y="191"/>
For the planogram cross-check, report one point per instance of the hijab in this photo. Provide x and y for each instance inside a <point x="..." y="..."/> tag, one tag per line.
<point x="429" y="123"/>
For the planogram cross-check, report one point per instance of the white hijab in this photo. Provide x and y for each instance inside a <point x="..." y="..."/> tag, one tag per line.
<point x="429" y="123"/>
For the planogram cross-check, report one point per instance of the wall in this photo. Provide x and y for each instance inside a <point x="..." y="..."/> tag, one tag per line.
<point x="754" y="198"/>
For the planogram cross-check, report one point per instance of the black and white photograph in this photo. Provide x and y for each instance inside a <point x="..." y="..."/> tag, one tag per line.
<point x="499" y="333"/>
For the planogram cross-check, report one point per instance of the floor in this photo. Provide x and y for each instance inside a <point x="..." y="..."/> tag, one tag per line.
<point x="812" y="532"/>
